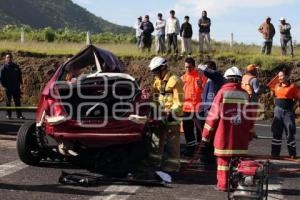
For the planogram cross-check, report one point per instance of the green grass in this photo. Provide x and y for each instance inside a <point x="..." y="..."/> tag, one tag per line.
<point x="241" y="55"/>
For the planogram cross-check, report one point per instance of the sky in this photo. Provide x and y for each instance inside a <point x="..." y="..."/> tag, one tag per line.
<point x="241" y="17"/>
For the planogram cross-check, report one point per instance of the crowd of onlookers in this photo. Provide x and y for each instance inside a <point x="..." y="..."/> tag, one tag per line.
<point x="171" y="28"/>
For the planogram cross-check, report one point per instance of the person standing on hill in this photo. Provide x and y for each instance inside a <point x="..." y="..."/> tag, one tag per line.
<point x="186" y="33"/>
<point x="268" y="32"/>
<point x="172" y="29"/>
<point x="160" y="27"/>
<point x="204" y="32"/>
<point x="138" y="32"/>
<point x="147" y="30"/>
<point x="11" y="80"/>
<point x="285" y="37"/>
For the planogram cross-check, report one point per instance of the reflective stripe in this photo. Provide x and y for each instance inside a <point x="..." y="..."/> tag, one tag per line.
<point x="235" y="101"/>
<point x="208" y="127"/>
<point x="223" y="168"/>
<point x="236" y="95"/>
<point x="292" y="144"/>
<point x="229" y="152"/>
<point x="274" y="140"/>
<point x="276" y="144"/>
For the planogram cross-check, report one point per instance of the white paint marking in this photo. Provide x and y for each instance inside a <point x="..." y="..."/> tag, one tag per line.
<point x="268" y="125"/>
<point x="115" y="192"/>
<point x="12" y="167"/>
<point x="277" y="188"/>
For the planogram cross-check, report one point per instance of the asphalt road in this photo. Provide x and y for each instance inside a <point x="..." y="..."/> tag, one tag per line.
<point x="19" y="181"/>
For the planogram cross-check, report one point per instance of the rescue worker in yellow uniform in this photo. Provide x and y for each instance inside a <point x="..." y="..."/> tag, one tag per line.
<point x="286" y="96"/>
<point x="168" y="93"/>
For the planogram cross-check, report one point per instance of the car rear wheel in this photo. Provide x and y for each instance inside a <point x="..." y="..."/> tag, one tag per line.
<point x="27" y="146"/>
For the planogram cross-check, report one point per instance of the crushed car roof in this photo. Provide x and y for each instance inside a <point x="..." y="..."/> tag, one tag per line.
<point x="108" y="62"/>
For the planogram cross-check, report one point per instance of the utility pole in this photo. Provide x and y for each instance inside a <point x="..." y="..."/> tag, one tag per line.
<point x="22" y="36"/>
<point x="88" y="38"/>
<point x="231" y="40"/>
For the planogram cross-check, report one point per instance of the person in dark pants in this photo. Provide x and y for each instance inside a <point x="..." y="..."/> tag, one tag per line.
<point x="147" y="28"/>
<point x="193" y="83"/>
<point x="11" y="79"/>
<point x="212" y="86"/>
<point x="172" y="30"/>
<point x="268" y="31"/>
<point x="286" y="95"/>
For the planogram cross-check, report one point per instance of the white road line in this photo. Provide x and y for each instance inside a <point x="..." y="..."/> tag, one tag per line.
<point x="8" y="144"/>
<point x="275" y="187"/>
<point x="268" y="125"/>
<point x="12" y="167"/>
<point x="115" y="192"/>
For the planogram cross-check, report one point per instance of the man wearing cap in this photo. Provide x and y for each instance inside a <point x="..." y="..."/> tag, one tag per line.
<point x="138" y="32"/>
<point x="160" y="27"/>
<point x="168" y="93"/>
<point x="251" y="84"/>
<point x="285" y="37"/>
<point x="147" y="30"/>
<point x="228" y="123"/>
<point x="268" y="31"/>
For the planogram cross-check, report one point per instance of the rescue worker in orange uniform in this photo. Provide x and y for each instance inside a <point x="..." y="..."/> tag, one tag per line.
<point x="286" y="96"/>
<point x="251" y="84"/>
<point x="229" y="123"/>
<point x="193" y="83"/>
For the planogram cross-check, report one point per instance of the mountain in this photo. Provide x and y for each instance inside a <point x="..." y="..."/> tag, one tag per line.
<point x="56" y="14"/>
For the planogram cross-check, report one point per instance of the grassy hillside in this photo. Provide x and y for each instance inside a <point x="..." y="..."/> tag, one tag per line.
<point x="56" y="14"/>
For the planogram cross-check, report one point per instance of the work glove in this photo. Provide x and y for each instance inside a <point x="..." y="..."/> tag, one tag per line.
<point x="205" y="140"/>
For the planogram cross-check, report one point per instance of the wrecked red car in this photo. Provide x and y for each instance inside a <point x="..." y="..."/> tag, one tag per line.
<point x="88" y="111"/>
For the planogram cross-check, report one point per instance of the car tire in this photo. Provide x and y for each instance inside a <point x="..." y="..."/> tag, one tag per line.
<point x="27" y="146"/>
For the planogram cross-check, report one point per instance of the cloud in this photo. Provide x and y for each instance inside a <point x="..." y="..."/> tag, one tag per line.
<point x="220" y="7"/>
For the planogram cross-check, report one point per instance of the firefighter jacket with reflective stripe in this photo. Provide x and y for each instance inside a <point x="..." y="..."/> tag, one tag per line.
<point x="229" y="121"/>
<point x="169" y="93"/>
<point x="193" y="84"/>
<point x="246" y="83"/>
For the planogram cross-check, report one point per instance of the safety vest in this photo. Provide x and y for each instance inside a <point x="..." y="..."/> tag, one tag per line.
<point x="246" y="83"/>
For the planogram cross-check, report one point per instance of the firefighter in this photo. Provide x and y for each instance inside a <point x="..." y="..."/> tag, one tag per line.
<point x="168" y="92"/>
<point x="229" y="123"/>
<point x="251" y="84"/>
<point x="193" y="83"/>
<point x="286" y="95"/>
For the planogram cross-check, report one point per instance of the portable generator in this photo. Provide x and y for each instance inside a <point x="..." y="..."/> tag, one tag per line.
<point x="248" y="179"/>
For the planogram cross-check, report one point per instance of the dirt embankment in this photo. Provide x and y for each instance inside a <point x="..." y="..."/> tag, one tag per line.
<point x="38" y="68"/>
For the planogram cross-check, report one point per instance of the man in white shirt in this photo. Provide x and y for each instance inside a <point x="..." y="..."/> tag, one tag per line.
<point x="172" y="29"/>
<point x="160" y="27"/>
<point x="138" y="32"/>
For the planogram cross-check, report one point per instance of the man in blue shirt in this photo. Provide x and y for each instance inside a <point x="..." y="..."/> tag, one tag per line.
<point x="212" y="86"/>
